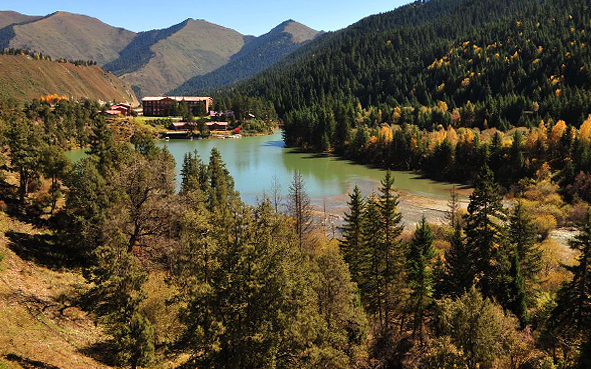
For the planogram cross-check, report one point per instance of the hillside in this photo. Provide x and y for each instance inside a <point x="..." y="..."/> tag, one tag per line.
<point x="500" y="63"/>
<point x="155" y="61"/>
<point x="69" y="36"/>
<point x="9" y="17"/>
<point x="25" y="78"/>
<point x="168" y="58"/>
<point x="257" y="55"/>
<point x="38" y="329"/>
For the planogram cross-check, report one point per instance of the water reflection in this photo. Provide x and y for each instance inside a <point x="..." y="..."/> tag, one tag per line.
<point x="254" y="161"/>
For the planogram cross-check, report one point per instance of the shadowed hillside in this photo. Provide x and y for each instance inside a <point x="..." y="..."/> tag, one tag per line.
<point x="262" y="52"/>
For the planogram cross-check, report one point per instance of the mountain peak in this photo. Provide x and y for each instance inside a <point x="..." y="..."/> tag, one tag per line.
<point x="300" y="33"/>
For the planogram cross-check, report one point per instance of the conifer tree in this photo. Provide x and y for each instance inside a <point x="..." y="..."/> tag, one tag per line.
<point x="102" y="145"/>
<point x="572" y="315"/>
<point x="419" y="274"/>
<point x="485" y="235"/>
<point x="221" y="184"/>
<point x="390" y="246"/>
<point x="193" y="173"/>
<point x="517" y="292"/>
<point x="25" y="146"/>
<point x="116" y="299"/>
<point x="522" y="234"/>
<point x="459" y="276"/>
<point x="371" y="269"/>
<point x="352" y="241"/>
<point x="299" y="208"/>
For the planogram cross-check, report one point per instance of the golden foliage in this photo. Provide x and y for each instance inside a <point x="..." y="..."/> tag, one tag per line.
<point x="557" y="132"/>
<point x="386" y="134"/>
<point x="53" y="98"/>
<point x="585" y="130"/>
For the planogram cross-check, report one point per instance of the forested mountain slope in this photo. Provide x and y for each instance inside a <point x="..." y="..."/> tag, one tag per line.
<point x="498" y="63"/>
<point x="69" y="36"/>
<point x="255" y="56"/>
<point x="24" y="78"/>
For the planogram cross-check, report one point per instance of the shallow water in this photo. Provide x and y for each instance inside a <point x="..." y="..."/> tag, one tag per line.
<point x="254" y="161"/>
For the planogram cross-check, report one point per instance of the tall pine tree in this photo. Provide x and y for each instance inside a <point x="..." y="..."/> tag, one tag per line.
<point x="485" y="236"/>
<point x="572" y="315"/>
<point x="352" y="241"/>
<point x="419" y="274"/>
<point x="391" y="247"/>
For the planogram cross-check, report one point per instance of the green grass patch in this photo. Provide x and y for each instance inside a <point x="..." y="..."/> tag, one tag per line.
<point x="3" y="365"/>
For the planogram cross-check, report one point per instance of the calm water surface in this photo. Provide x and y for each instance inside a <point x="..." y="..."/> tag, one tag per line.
<point x="254" y="161"/>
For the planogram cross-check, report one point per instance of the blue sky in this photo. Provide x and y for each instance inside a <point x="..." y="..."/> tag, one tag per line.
<point x="246" y="16"/>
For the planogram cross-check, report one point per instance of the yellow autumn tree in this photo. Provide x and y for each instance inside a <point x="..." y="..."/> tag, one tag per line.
<point x="385" y="134"/>
<point x="452" y="135"/>
<point x="585" y="130"/>
<point x="557" y="132"/>
<point x="396" y="115"/>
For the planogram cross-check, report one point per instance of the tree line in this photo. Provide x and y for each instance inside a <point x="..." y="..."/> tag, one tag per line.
<point x="40" y="56"/>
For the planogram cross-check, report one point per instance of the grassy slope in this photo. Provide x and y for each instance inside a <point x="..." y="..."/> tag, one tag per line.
<point x="300" y="32"/>
<point x="33" y="331"/>
<point x="10" y="17"/>
<point x="72" y="36"/>
<point x="24" y="78"/>
<point x="198" y="48"/>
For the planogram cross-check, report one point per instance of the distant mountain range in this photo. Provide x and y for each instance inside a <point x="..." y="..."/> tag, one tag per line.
<point x="158" y="61"/>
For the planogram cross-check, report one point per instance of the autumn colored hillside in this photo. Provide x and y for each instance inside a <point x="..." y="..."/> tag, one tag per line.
<point x="24" y="78"/>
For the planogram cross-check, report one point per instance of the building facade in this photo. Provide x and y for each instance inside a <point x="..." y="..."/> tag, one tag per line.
<point x="161" y="106"/>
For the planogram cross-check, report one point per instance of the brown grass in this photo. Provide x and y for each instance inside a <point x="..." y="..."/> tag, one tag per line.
<point x="38" y="328"/>
<point x="25" y="78"/>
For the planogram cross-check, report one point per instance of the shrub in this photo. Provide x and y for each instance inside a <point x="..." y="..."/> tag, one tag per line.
<point x="545" y="224"/>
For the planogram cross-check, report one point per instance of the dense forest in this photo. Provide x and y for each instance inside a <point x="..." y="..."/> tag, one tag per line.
<point x="199" y="278"/>
<point x="375" y="91"/>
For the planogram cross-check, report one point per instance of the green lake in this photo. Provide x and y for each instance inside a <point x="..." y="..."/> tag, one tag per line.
<point x="254" y="161"/>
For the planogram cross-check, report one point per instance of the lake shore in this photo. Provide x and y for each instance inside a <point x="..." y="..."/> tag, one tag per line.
<point x="411" y="205"/>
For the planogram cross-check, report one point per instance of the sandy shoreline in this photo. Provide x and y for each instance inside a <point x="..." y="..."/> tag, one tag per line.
<point x="412" y="206"/>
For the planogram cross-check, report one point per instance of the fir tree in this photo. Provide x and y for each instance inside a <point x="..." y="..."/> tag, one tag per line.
<point x="522" y="234"/>
<point x="459" y="276"/>
<point x="517" y="300"/>
<point x="299" y="208"/>
<point x="572" y="316"/>
<point x="485" y="235"/>
<point x="419" y="274"/>
<point x="390" y="246"/>
<point x="371" y="276"/>
<point x="352" y="241"/>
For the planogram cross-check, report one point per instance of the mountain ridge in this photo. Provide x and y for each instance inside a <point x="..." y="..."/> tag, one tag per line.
<point x="154" y="61"/>
<point x="275" y="45"/>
